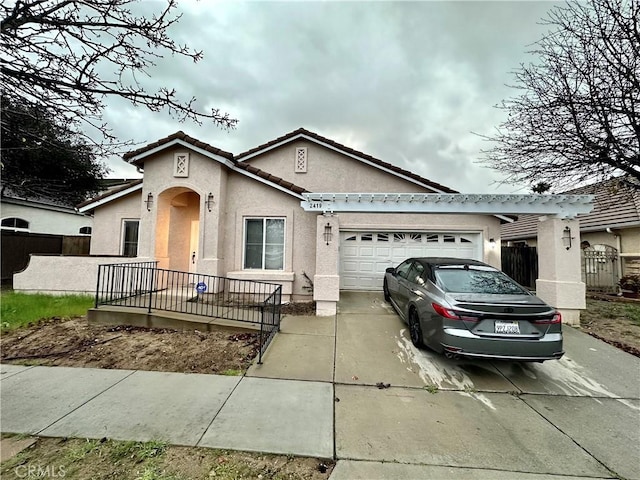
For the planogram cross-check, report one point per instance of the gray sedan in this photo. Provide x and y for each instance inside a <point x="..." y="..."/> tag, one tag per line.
<point x="466" y="308"/>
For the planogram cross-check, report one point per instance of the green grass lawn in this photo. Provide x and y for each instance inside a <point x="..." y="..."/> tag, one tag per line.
<point x="19" y="309"/>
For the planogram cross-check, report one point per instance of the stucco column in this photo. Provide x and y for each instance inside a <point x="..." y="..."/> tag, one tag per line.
<point x="559" y="280"/>
<point x="326" y="281"/>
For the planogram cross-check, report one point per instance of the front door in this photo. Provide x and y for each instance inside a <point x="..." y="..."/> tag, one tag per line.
<point x="193" y="246"/>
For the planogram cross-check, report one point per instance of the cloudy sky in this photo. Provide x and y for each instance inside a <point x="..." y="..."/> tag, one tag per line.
<point x="407" y="82"/>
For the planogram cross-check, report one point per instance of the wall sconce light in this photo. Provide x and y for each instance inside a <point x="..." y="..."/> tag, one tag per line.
<point x="492" y="243"/>
<point x="566" y="237"/>
<point x="327" y="233"/>
<point x="149" y="201"/>
<point x="209" y="201"/>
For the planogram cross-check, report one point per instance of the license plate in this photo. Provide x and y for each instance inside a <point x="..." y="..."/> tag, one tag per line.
<point x="507" y="327"/>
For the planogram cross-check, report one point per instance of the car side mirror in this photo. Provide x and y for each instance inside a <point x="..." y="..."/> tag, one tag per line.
<point x="391" y="270"/>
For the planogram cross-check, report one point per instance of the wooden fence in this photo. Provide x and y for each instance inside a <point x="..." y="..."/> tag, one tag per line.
<point x="17" y="246"/>
<point x="521" y="264"/>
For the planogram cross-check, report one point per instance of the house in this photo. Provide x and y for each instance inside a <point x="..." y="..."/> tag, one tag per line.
<point x="41" y="214"/>
<point x="299" y="209"/>
<point x="609" y="234"/>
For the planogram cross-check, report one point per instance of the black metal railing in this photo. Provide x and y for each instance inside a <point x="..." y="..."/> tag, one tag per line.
<point x="143" y="285"/>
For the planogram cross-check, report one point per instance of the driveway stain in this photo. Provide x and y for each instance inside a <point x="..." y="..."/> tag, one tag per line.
<point x="433" y="370"/>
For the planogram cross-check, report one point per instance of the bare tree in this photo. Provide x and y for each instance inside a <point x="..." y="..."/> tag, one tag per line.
<point x="67" y="56"/>
<point x="577" y="115"/>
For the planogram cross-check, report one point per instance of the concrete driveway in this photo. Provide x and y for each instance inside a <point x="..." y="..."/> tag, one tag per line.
<point x="441" y="418"/>
<point x="578" y="417"/>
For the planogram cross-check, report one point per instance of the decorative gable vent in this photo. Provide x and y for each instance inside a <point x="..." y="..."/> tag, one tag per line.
<point x="181" y="164"/>
<point x="301" y="160"/>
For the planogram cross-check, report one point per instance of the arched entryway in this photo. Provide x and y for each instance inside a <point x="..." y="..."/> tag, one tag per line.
<point x="178" y="229"/>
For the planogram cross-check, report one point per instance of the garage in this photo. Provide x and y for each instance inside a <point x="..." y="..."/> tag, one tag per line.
<point x="364" y="256"/>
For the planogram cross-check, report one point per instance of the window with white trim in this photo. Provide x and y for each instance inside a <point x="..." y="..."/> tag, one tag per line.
<point x="130" y="229"/>
<point x="14" y="223"/>
<point x="85" y="231"/>
<point x="264" y="243"/>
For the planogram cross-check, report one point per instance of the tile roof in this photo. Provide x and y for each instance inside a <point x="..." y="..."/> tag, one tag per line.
<point x="8" y="194"/>
<point x="380" y="163"/>
<point x="614" y="206"/>
<point x="180" y="135"/>
<point x="271" y="178"/>
<point x="111" y="191"/>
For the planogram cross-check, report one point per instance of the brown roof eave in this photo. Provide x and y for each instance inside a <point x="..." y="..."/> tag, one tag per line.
<point x="179" y="135"/>
<point x="271" y="178"/>
<point x="110" y="193"/>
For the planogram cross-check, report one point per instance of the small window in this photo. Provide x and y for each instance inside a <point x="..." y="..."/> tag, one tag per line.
<point x="398" y="237"/>
<point x="383" y="237"/>
<point x="465" y="240"/>
<point x="432" y="238"/>
<point x="14" y="223"/>
<point x="130" y="238"/>
<point x="85" y="231"/>
<point x="352" y="238"/>
<point x="264" y="243"/>
<point x="449" y="239"/>
<point x="416" y="237"/>
<point x="366" y="237"/>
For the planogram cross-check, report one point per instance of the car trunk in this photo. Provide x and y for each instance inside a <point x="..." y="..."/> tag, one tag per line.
<point x="503" y="315"/>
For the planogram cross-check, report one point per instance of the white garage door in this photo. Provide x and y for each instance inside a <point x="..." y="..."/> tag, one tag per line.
<point x="364" y="256"/>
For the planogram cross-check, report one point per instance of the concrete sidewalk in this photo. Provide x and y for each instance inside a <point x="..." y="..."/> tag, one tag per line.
<point x="241" y="413"/>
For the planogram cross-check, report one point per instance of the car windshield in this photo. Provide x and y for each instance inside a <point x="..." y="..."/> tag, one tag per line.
<point x="459" y="280"/>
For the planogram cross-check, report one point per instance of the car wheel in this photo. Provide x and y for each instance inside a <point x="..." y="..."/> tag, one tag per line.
<point x="415" y="331"/>
<point x="385" y="289"/>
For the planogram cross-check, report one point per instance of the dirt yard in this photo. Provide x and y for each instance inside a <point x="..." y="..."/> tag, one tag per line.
<point x="79" y="459"/>
<point x="75" y="343"/>
<point x="615" y="321"/>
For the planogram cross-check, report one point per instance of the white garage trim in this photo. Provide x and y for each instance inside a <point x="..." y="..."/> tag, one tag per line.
<point x="366" y="254"/>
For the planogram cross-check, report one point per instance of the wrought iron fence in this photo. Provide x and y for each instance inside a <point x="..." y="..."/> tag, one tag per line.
<point x="600" y="268"/>
<point x="143" y="285"/>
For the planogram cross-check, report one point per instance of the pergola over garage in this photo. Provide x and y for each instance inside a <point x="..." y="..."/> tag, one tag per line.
<point x="559" y="282"/>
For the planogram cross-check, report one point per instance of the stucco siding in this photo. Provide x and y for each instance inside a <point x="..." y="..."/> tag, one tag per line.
<point x="60" y="275"/>
<point x="630" y="240"/>
<point x="159" y="227"/>
<point x="249" y="198"/>
<point x="106" y="237"/>
<point x="47" y="221"/>
<point x="330" y="171"/>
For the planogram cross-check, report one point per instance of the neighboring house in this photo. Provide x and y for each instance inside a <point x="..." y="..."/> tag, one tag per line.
<point x="609" y="234"/>
<point x="298" y="209"/>
<point x="42" y="215"/>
